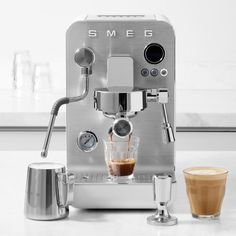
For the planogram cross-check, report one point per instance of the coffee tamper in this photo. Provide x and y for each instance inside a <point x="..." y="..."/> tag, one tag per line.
<point x="162" y="195"/>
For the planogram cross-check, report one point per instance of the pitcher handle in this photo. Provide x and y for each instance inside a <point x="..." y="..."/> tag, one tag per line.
<point x="65" y="184"/>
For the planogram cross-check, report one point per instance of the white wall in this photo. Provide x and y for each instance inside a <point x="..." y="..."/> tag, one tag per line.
<point x="206" y="49"/>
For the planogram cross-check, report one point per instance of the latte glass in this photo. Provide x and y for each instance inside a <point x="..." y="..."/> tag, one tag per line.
<point x="205" y="189"/>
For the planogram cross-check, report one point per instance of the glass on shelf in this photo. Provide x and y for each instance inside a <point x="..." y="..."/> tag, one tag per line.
<point x="41" y="78"/>
<point x="22" y="73"/>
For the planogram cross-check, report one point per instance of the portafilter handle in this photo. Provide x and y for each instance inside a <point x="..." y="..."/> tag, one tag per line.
<point x="162" y="194"/>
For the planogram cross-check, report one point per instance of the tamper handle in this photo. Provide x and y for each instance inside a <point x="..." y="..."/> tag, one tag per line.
<point x="162" y="188"/>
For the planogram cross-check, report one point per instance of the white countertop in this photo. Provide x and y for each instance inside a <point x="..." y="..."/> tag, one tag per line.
<point x="120" y="222"/>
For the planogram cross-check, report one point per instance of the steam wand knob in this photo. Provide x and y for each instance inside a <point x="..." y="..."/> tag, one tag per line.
<point x="162" y="195"/>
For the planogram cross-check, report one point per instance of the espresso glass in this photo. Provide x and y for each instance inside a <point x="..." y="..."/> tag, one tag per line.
<point x="42" y="78"/>
<point x="121" y="157"/>
<point x="205" y="189"/>
<point x="22" y="73"/>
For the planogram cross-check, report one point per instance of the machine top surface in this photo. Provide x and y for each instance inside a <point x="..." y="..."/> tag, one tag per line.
<point x="120" y="17"/>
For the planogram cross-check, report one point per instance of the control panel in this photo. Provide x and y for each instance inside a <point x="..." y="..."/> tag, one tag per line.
<point x="154" y="54"/>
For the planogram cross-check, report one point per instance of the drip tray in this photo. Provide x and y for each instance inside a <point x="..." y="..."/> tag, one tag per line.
<point x="96" y="191"/>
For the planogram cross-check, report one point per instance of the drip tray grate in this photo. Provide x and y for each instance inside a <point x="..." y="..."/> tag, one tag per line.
<point x="103" y="178"/>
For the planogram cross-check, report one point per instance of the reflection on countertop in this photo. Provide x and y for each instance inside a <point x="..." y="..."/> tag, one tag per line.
<point x="113" y="222"/>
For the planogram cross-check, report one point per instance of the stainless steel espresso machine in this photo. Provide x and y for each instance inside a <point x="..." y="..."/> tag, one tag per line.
<point x="120" y="79"/>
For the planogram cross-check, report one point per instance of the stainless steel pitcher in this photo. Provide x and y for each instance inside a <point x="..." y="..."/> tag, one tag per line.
<point x="46" y="196"/>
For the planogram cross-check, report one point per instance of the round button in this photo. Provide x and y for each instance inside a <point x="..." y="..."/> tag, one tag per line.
<point x="154" y="53"/>
<point x="164" y="72"/>
<point x="154" y="72"/>
<point x="144" y="72"/>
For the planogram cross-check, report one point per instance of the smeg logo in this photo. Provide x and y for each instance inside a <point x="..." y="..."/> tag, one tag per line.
<point x="129" y="33"/>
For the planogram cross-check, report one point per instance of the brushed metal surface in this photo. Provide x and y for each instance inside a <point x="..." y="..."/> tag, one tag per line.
<point x="42" y="196"/>
<point x="114" y="67"/>
<point x="154" y="156"/>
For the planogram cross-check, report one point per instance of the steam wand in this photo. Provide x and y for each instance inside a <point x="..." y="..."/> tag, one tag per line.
<point x="168" y="134"/>
<point x="161" y="96"/>
<point x="84" y="57"/>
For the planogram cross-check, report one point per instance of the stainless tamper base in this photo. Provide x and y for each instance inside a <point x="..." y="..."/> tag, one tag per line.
<point x="162" y="221"/>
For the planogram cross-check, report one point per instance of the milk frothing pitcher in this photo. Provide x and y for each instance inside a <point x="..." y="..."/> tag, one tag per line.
<point x="47" y="195"/>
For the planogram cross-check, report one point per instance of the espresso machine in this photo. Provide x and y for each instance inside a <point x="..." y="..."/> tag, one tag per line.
<point x="120" y="79"/>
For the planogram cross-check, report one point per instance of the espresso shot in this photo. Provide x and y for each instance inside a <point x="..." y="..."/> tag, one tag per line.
<point x="121" y="157"/>
<point x="121" y="167"/>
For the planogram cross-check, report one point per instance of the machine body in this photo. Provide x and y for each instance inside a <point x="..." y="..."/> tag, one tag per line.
<point x="136" y="52"/>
